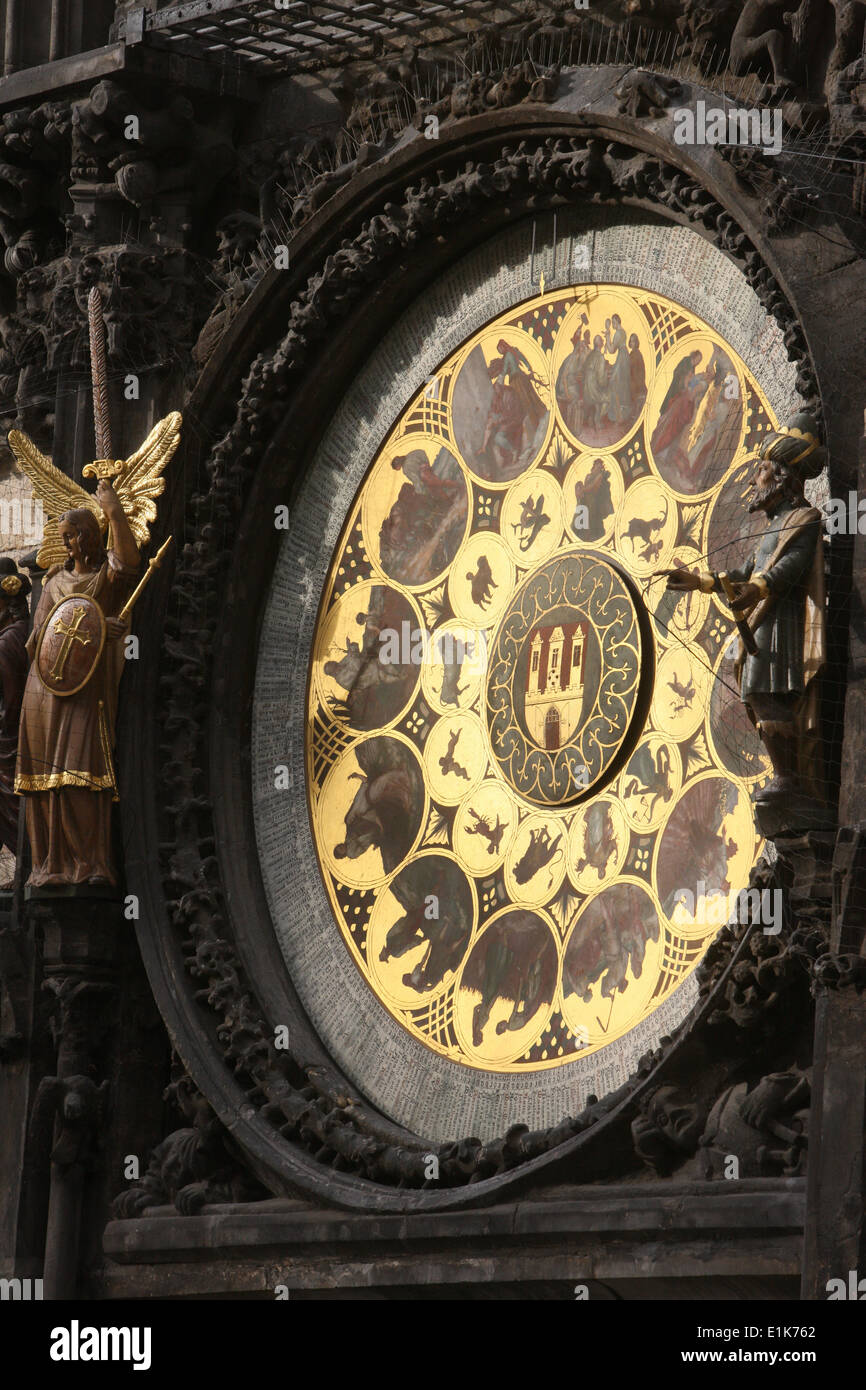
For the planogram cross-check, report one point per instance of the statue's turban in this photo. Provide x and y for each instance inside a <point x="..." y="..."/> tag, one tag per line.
<point x="796" y="446"/>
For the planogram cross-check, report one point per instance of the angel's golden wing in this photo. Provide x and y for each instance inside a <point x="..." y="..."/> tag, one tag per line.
<point x="141" y="479"/>
<point x="57" y="494"/>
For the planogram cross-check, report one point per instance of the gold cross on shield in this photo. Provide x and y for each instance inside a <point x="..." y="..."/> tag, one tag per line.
<point x="70" y="634"/>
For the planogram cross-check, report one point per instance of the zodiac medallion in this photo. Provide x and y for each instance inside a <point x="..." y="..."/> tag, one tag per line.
<point x="527" y="777"/>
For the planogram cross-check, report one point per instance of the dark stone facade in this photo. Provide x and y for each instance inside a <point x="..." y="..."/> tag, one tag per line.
<point x="160" y="1046"/>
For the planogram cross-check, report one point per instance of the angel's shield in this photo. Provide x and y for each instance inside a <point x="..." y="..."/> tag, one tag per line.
<point x="70" y="644"/>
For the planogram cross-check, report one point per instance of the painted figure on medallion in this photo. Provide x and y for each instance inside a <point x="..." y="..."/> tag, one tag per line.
<point x="430" y="936"/>
<point x="515" y="413"/>
<point x="384" y="814"/>
<point x="700" y="832"/>
<point x="593" y="502"/>
<point x="510" y="976"/>
<point x="648" y="784"/>
<point x="598" y="844"/>
<point x="698" y="426"/>
<point x="422" y="531"/>
<point x="601" y="386"/>
<point x="609" y="940"/>
<point x="500" y="407"/>
<point x="369" y="678"/>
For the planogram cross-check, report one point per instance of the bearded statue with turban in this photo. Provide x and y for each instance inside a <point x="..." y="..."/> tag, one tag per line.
<point x="779" y="594"/>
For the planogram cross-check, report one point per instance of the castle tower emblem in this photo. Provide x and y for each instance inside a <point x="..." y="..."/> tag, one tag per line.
<point x="554" y="683"/>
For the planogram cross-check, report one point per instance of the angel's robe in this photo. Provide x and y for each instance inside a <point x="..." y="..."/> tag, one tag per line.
<point x="65" y="767"/>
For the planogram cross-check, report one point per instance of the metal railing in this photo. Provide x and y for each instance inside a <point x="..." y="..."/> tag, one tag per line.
<point x="271" y="36"/>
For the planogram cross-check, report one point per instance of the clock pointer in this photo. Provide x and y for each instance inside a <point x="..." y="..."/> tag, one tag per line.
<point x="604" y="1026"/>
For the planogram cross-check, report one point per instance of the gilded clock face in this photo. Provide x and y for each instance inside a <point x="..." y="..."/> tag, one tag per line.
<point x="527" y="762"/>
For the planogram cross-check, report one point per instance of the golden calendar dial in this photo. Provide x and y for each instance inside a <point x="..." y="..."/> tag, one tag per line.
<point x="528" y="766"/>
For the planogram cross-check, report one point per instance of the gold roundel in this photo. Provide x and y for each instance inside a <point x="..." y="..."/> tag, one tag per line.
<point x="529" y="770"/>
<point x="564" y="676"/>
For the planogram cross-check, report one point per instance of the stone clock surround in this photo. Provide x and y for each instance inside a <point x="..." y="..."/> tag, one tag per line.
<point x="203" y="919"/>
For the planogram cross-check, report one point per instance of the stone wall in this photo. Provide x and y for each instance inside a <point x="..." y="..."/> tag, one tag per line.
<point x="20" y="524"/>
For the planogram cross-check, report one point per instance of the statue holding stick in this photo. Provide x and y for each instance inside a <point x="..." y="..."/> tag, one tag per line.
<point x="777" y="598"/>
<point x="65" y="767"/>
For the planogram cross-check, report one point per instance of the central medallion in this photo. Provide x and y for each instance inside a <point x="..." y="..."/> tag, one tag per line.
<point x="567" y="670"/>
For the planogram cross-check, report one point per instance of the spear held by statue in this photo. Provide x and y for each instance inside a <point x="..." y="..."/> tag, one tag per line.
<point x="71" y="640"/>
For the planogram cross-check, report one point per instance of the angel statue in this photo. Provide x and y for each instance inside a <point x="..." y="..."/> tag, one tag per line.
<point x="91" y="550"/>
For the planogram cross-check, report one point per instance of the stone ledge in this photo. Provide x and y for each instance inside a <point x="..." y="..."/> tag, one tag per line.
<point x="757" y="1205"/>
<point x="636" y="1235"/>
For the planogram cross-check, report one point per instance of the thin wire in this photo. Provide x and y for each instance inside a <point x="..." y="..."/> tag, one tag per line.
<point x="687" y="646"/>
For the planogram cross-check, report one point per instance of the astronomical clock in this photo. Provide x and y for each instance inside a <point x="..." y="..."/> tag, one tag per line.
<point x="447" y="929"/>
<point x="526" y="767"/>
